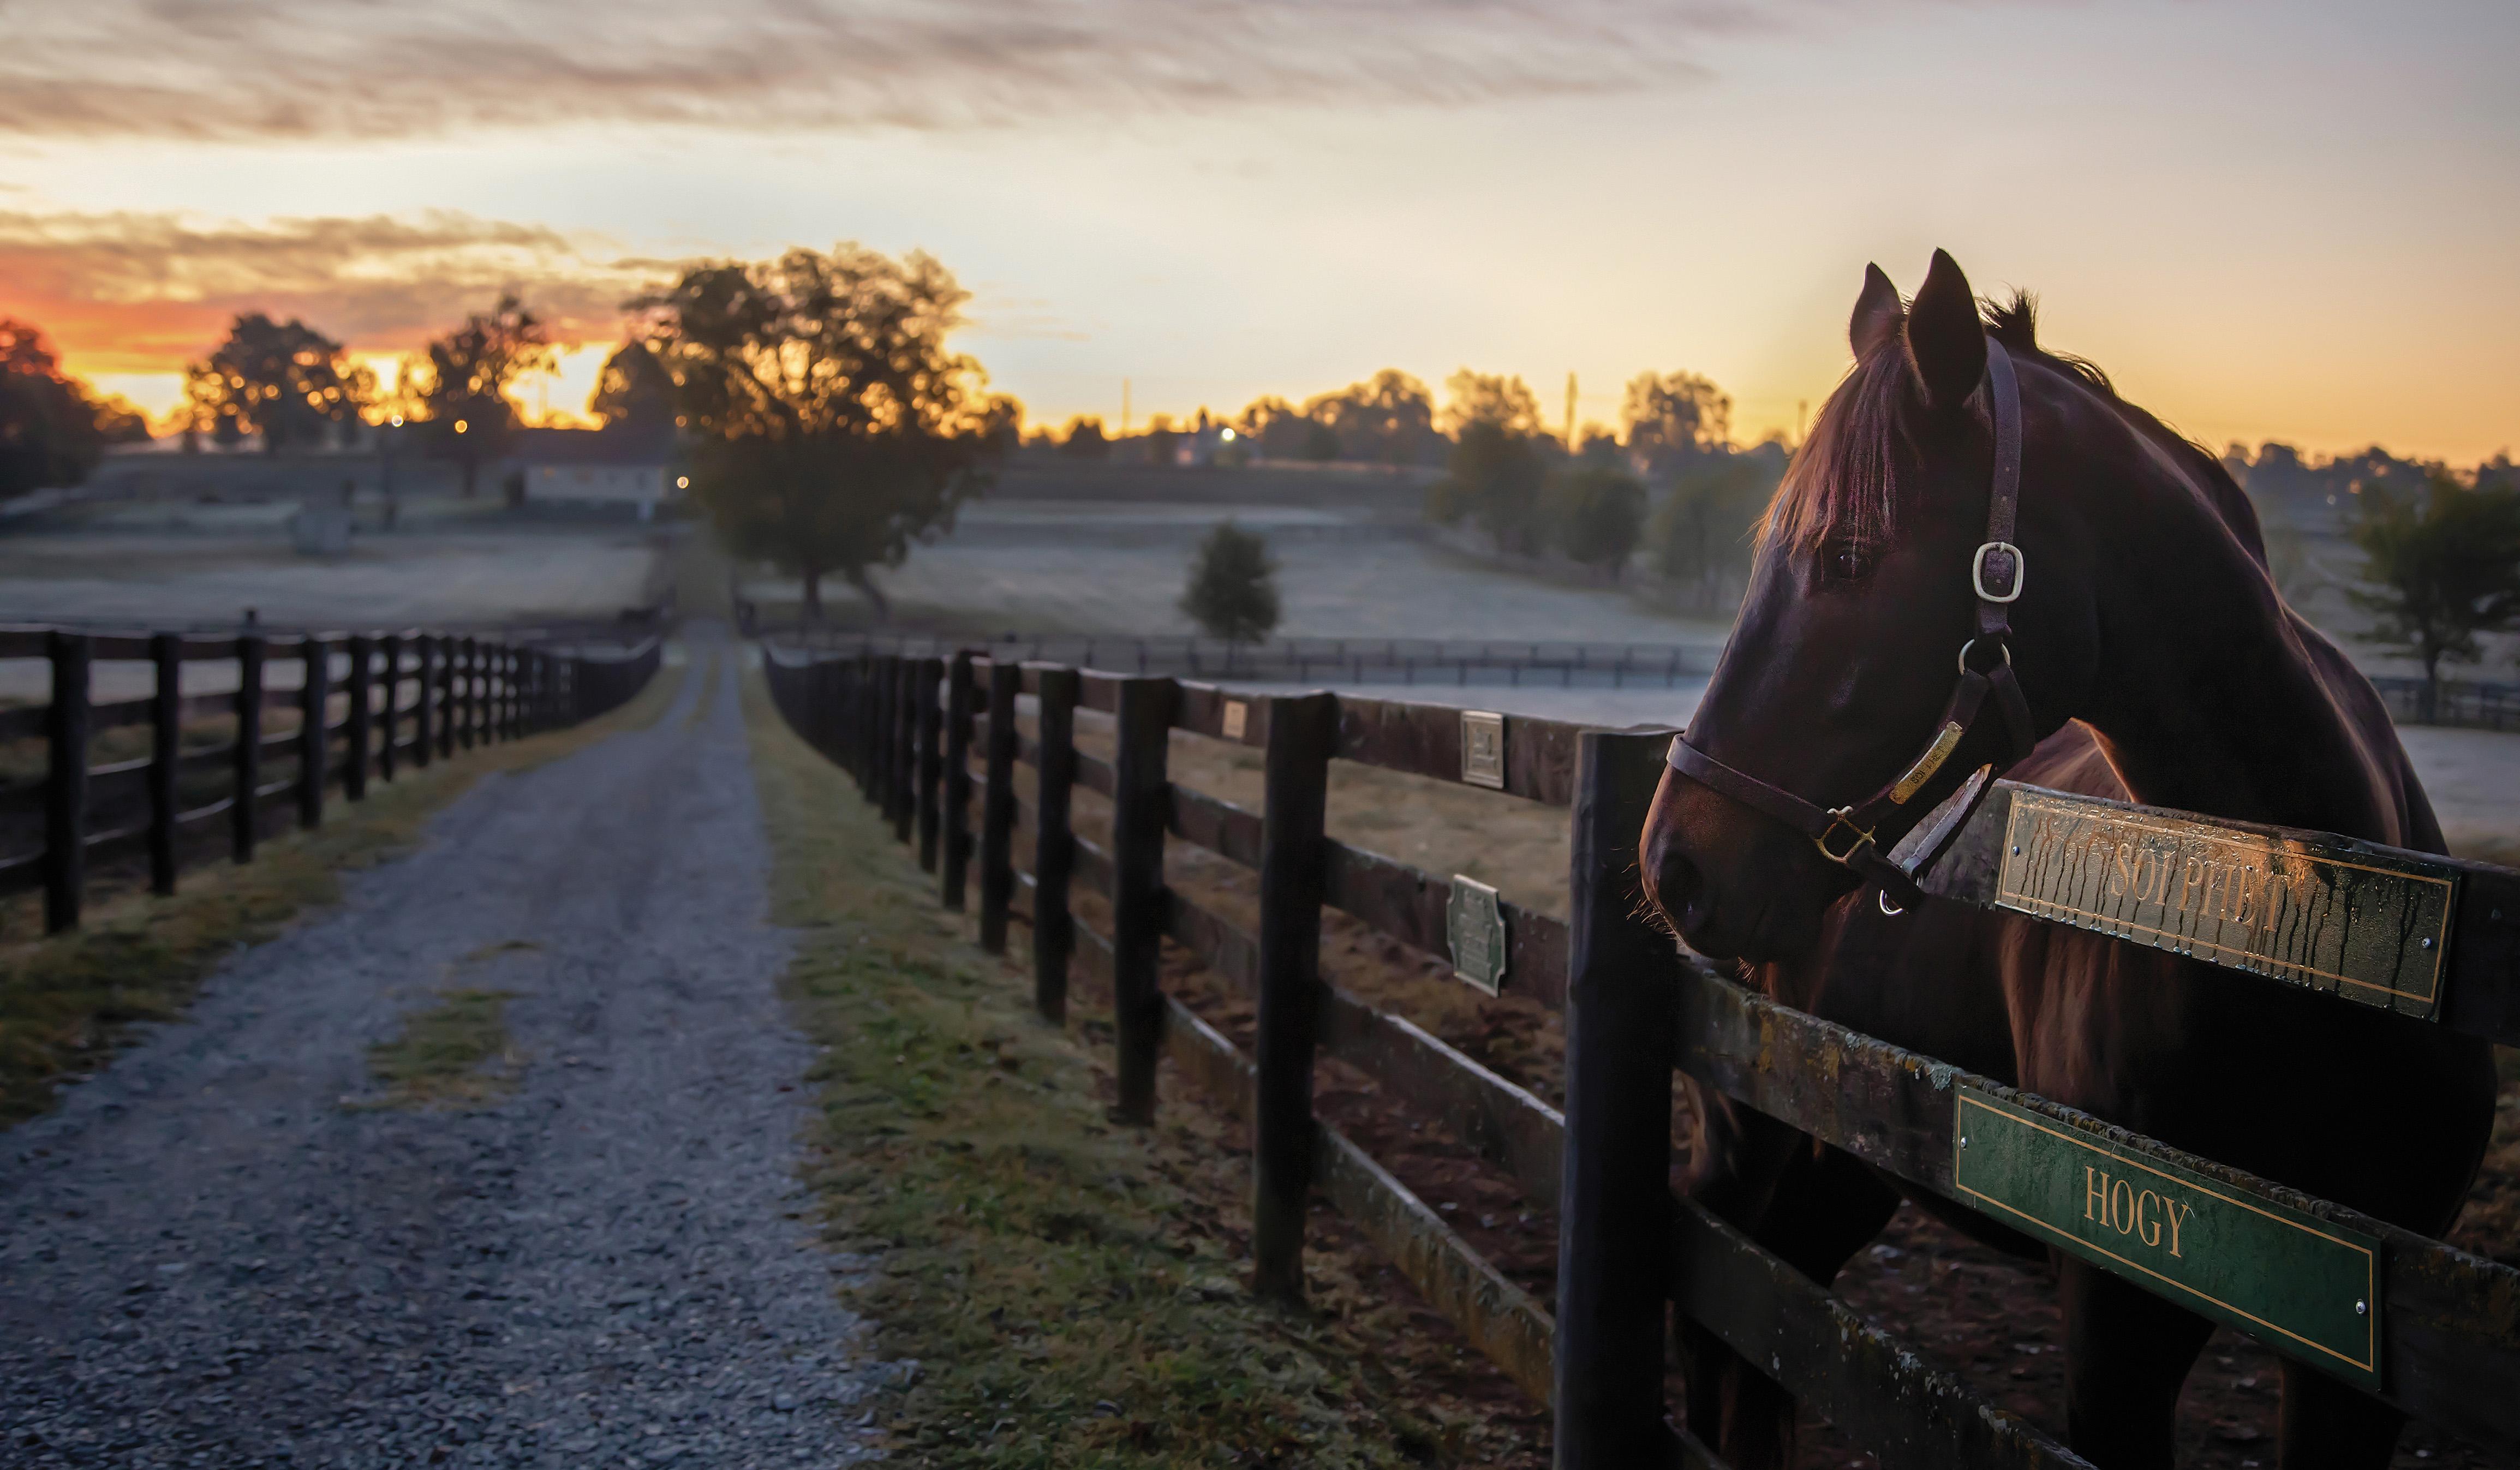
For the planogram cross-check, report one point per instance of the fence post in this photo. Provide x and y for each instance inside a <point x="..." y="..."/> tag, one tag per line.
<point x="390" y="711"/>
<point x="1053" y="850"/>
<point x="931" y="760"/>
<point x="1614" y="1201"/>
<point x="1300" y="734"/>
<point x="957" y="820"/>
<point x="361" y="732"/>
<point x="314" y="742"/>
<point x="450" y="658"/>
<point x="905" y="746"/>
<point x="881" y="682"/>
<point x="1140" y="801"/>
<point x="248" y="748"/>
<point x="166" y="753"/>
<point x="424" y="744"/>
<point x="997" y="807"/>
<point x="467" y="693"/>
<point x="65" y="730"/>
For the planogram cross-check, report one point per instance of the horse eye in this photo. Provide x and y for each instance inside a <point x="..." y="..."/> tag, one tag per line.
<point x="1844" y="562"/>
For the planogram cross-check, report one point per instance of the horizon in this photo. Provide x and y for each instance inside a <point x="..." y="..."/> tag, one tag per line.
<point x="2283" y="241"/>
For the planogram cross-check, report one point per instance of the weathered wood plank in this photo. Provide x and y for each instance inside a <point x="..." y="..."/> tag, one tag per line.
<point x="1426" y="740"/>
<point x="1220" y="826"/>
<point x="1410" y="905"/>
<point x="2450" y="1320"/>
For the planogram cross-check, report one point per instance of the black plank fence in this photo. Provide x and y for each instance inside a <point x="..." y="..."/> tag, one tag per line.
<point x="1320" y="660"/>
<point x="366" y="706"/>
<point x="2446" y="1348"/>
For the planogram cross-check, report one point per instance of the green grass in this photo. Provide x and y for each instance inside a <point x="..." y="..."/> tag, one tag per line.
<point x="68" y="1000"/>
<point x="455" y="1053"/>
<point x="1073" y="1289"/>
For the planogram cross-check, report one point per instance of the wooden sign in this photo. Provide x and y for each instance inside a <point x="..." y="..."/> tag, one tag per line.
<point x="1483" y="748"/>
<point x="1474" y="923"/>
<point x="1237" y="718"/>
<point x="2367" y="924"/>
<point x="2307" y="1287"/>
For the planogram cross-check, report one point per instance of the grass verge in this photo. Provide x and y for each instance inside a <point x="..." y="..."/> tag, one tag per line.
<point x="455" y="1053"/>
<point x="1075" y="1291"/>
<point x="68" y="1000"/>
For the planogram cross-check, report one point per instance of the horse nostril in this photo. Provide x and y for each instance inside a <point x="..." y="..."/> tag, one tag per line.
<point x="1676" y="886"/>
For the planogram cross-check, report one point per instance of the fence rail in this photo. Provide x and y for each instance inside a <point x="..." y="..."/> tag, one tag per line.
<point x="2476" y="704"/>
<point x="2443" y="1325"/>
<point x="1310" y="661"/>
<point x="449" y="691"/>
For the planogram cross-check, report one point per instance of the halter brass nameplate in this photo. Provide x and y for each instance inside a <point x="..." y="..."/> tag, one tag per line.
<point x="2333" y="915"/>
<point x="2307" y="1287"/>
<point x="1945" y="740"/>
<point x="1475" y="922"/>
<point x="1483" y="748"/>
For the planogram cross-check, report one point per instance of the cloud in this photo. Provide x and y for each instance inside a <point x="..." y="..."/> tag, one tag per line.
<point x="326" y="69"/>
<point x="143" y="292"/>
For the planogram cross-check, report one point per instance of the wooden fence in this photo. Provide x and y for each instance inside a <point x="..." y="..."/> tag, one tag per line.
<point x="366" y="705"/>
<point x="2438" y="1329"/>
<point x="1322" y="660"/>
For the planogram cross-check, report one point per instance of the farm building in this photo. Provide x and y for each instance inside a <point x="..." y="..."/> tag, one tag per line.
<point x="606" y="467"/>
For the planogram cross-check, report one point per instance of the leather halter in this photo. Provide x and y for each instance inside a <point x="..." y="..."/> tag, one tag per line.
<point x="1845" y="835"/>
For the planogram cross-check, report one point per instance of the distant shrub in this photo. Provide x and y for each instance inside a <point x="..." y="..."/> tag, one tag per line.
<point x="1233" y="588"/>
<point x="1596" y="513"/>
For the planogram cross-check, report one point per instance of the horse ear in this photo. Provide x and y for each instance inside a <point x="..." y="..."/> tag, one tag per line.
<point x="1876" y="313"/>
<point x="1946" y="344"/>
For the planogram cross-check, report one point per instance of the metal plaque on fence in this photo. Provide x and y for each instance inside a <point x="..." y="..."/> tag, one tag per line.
<point x="1483" y="748"/>
<point x="1236" y="719"/>
<point x="2308" y="1287"/>
<point x="2334" y="916"/>
<point x="1475" y="922"/>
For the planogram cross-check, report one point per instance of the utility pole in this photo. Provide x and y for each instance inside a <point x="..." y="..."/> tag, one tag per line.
<point x="1570" y="413"/>
<point x="1124" y="408"/>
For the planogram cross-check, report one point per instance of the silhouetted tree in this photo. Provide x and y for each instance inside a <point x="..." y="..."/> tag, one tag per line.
<point x="1233" y="588"/>
<point x="52" y="428"/>
<point x="1491" y="399"/>
<point x="460" y="394"/>
<point x="1085" y="439"/>
<point x="1389" y="419"/>
<point x="2445" y="566"/>
<point x="1674" y="420"/>
<point x="285" y="382"/>
<point x="634" y="391"/>
<point x="836" y="427"/>
<point x="1597" y="511"/>
<point x="1495" y="472"/>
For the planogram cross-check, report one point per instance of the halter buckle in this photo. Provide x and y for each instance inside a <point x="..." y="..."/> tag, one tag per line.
<point x="1977" y="572"/>
<point x="1838" y="819"/>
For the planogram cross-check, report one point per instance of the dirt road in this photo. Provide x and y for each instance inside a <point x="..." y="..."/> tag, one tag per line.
<point x="221" y="1252"/>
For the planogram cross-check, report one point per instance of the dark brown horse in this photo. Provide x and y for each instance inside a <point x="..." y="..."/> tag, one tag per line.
<point x="2159" y="664"/>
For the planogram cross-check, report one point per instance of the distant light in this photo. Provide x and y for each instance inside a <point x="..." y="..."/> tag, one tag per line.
<point x="682" y="482"/>
<point x="1229" y="436"/>
<point x="397" y="420"/>
<point x="461" y="426"/>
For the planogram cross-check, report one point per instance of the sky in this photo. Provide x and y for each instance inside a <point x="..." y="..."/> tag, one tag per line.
<point x="2290" y="221"/>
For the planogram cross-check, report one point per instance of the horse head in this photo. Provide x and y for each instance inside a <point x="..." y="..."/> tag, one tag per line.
<point x="1875" y="566"/>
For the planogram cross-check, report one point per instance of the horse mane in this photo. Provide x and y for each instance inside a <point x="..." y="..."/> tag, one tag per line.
<point x="1843" y="484"/>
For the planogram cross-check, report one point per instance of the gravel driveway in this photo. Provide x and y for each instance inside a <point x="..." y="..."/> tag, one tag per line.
<point x="215" y="1255"/>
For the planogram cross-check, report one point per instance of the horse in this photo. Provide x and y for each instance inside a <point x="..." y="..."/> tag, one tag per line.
<point x="2150" y="658"/>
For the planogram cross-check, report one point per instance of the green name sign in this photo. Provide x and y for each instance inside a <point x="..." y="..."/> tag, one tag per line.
<point x="2306" y="1286"/>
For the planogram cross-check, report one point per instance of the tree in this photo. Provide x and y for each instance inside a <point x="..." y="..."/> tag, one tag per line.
<point x="1596" y="512"/>
<point x="634" y="391"/>
<point x="285" y="382"/>
<point x="1699" y="536"/>
<point x="461" y="393"/>
<point x="52" y="430"/>
<point x="1276" y="430"/>
<point x="1389" y="419"/>
<point x="835" y="426"/>
<point x="1673" y="421"/>
<point x="2445" y="566"/>
<point x="1085" y="439"/>
<point x="1233" y="588"/>
<point x="1491" y="399"/>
